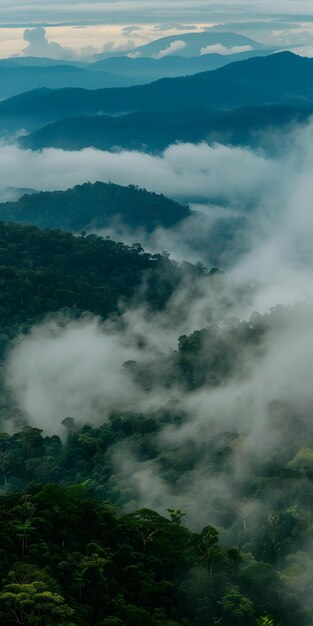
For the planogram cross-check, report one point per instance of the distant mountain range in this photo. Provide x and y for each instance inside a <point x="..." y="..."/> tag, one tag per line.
<point x="94" y="207"/>
<point x="26" y="73"/>
<point x="16" y="79"/>
<point x="189" y="45"/>
<point x="282" y="78"/>
<point x="28" y="61"/>
<point x="154" y="131"/>
<point x="147" y="69"/>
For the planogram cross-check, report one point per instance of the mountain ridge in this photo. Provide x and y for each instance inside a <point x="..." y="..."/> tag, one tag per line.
<point x="194" y="43"/>
<point x="154" y="131"/>
<point x="286" y="79"/>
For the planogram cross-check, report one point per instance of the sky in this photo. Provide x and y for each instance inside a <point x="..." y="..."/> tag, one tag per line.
<point x="94" y="25"/>
<point x="15" y="11"/>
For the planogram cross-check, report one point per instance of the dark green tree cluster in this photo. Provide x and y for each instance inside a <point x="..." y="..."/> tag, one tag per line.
<point x="94" y="207"/>
<point x="67" y="559"/>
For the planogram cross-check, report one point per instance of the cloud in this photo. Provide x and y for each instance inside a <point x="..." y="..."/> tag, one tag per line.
<point x="112" y="46"/>
<point x="188" y="172"/>
<point x="128" y="30"/>
<point x="142" y="11"/>
<point x="40" y="46"/>
<point x="218" y="48"/>
<point x="79" y="361"/>
<point x="134" y="55"/>
<point x="280" y="33"/>
<point x="172" y="26"/>
<point x="174" y="47"/>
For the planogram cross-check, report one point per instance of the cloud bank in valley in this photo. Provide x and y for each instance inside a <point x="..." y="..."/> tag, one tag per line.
<point x="185" y="171"/>
<point x="76" y="367"/>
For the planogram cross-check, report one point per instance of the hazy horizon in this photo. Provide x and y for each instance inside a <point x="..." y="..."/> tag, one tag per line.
<point x="84" y="29"/>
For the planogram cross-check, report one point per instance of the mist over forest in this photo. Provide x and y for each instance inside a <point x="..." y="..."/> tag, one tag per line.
<point x="156" y="327"/>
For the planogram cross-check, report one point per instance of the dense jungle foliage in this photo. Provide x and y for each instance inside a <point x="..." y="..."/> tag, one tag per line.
<point x="67" y="559"/>
<point x="43" y="271"/>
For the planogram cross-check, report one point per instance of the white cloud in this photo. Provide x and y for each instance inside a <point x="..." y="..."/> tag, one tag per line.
<point x="186" y="171"/>
<point x="74" y="369"/>
<point x="40" y="46"/>
<point x="174" y="47"/>
<point x="141" y="10"/>
<point x="218" y="48"/>
<point x="134" y="55"/>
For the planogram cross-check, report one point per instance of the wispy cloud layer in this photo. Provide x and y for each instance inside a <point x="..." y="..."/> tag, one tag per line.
<point x="140" y="10"/>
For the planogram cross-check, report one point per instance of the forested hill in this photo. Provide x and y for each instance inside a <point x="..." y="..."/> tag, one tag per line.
<point x="43" y="271"/>
<point x="95" y="206"/>
<point x="282" y="78"/>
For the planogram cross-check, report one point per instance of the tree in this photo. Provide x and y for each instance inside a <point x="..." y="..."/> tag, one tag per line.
<point x="209" y="547"/>
<point x="176" y="516"/>
<point x="32" y="604"/>
<point x="5" y="463"/>
<point x="23" y="523"/>
<point x="236" y="608"/>
<point x="303" y="460"/>
<point x="69" y="424"/>
<point x="32" y="438"/>
<point x="265" y="620"/>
